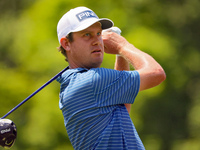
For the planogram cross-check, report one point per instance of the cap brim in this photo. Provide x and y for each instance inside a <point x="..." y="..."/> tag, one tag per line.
<point x="106" y="23"/>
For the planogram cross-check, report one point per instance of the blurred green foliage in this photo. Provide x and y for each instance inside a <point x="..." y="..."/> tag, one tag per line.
<point x="167" y="117"/>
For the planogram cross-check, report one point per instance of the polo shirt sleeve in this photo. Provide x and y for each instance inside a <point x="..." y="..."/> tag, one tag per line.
<point x="112" y="87"/>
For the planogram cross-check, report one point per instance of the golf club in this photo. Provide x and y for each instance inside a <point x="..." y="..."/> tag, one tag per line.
<point x="25" y="100"/>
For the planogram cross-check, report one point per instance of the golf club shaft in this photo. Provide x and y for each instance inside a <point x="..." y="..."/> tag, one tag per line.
<point x="25" y="100"/>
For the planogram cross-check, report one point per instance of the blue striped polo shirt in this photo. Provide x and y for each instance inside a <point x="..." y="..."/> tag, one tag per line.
<point x="92" y="102"/>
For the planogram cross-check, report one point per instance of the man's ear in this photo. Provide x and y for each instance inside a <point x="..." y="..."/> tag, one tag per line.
<point x="65" y="43"/>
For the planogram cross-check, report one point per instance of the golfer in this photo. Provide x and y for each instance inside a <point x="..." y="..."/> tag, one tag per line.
<point x="95" y="101"/>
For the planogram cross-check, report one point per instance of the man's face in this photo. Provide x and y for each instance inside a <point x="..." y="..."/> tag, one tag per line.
<point x="87" y="48"/>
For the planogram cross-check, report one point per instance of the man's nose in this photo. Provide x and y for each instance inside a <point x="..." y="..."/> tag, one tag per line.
<point x="97" y="40"/>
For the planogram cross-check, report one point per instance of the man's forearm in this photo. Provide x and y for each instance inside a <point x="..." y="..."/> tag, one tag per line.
<point x="122" y="64"/>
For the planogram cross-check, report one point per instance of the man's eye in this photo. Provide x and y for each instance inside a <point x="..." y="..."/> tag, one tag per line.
<point x="99" y="33"/>
<point x="87" y="34"/>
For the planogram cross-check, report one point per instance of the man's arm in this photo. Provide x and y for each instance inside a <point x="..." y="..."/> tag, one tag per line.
<point x="122" y="64"/>
<point x="151" y="73"/>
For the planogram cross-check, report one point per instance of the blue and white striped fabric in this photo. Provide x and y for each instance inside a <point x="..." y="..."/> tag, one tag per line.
<point x="92" y="102"/>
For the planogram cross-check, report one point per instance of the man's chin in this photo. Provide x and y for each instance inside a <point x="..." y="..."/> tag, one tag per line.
<point x="96" y="64"/>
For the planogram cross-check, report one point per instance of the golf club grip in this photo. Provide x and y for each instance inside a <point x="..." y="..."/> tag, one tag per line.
<point x="47" y="83"/>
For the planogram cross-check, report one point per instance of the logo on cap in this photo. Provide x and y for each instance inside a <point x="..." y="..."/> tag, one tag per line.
<point x="85" y="15"/>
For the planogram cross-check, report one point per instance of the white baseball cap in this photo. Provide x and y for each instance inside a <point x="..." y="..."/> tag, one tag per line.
<point x="78" y="19"/>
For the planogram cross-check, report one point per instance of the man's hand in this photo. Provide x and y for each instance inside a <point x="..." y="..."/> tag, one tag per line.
<point x="113" y="42"/>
